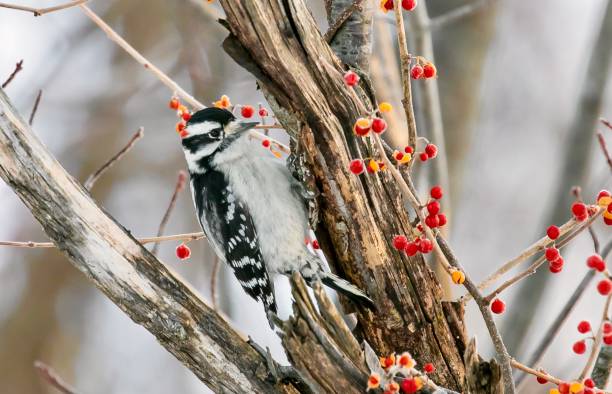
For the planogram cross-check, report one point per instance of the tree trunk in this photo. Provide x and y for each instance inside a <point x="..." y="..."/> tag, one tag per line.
<point x="359" y="215"/>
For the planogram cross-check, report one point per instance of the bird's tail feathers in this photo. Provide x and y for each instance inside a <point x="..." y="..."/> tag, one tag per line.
<point x="346" y="288"/>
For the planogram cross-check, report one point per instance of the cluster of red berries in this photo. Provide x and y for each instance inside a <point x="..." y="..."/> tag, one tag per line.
<point x="183" y="252"/>
<point x="430" y="152"/>
<point x="387" y="5"/>
<point x="183" y="114"/>
<point x="425" y="71"/>
<point x="363" y="126"/>
<point x="604" y="200"/>
<point x="399" y="368"/>
<point x="358" y="166"/>
<point x="418" y="244"/>
<point x="552" y="255"/>
<point x="586" y="387"/>
<point x="434" y="217"/>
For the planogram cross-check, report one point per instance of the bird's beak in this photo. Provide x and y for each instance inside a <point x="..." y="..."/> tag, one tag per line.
<point x="242" y="127"/>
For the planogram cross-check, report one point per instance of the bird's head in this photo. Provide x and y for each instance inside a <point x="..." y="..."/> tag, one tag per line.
<point x="210" y="131"/>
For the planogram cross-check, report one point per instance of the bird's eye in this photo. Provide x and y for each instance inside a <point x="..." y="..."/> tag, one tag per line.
<point x="215" y="133"/>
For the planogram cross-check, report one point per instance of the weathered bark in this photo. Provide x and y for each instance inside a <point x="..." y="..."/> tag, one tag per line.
<point x="280" y="44"/>
<point x="123" y="269"/>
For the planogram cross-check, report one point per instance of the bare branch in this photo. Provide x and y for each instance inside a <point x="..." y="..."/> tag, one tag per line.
<point x="536" y="264"/>
<point x="35" y="108"/>
<point x="42" y="11"/>
<point x="588" y="368"/>
<point x="176" y="237"/>
<point x="18" y="67"/>
<point x="88" y="184"/>
<point x="51" y="377"/>
<point x="604" y="149"/>
<point x="180" y="185"/>
<point x="457" y="14"/>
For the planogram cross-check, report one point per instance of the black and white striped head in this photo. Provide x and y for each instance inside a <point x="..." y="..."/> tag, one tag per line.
<point x="208" y="132"/>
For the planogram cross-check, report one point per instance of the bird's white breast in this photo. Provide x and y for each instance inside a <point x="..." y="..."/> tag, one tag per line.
<point x="263" y="183"/>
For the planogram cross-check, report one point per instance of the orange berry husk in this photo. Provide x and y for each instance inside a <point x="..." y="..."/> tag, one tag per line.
<point x="174" y="103"/>
<point x="373" y="381"/>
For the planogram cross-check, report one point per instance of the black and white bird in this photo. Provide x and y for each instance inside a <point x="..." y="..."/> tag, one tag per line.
<point x="251" y="208"/>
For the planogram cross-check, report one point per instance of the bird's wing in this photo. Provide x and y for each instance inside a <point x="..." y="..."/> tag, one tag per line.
<point x="230" y="229"/>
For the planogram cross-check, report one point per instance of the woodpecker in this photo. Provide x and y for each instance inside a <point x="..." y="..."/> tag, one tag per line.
<point x="250" y="207"/>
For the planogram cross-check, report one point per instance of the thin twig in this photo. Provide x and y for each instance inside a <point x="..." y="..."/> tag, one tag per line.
<point x="543" y="375"/>
<point x="35" y="108"/>
<point x="536" y="247"/>
<point x="165" y="79"/>
<point x="176" y="237"/>
<point x="588" y="368"/>
<point x="604" y="149"/>
<point x="606" y="123"/>
<point x="533" y="267"/>
<point x="213" y="282"/>
<point x="88" y="184"/>
<point x="180" y="185"/>
<point x="50" y="376"/>
<point x="405" y="60"/>
<point x="342" y="18"/>
<point x="42" y="11"/>
<point x="18" y="67"/>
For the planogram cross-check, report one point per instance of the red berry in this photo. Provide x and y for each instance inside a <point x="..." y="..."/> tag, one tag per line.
<point x="498" y="306"/>
<point x="379" y="125"/>
<point x="425" y="246"/>
<point x="400" y="242"/>
<point x="432" y="221"/>
<point x="442" y="219"/>
<point x="608" y="221"/>
<point x="350" y="78"/>
<point x="436" y="192"/>
<point x="315" y="244"/>
<point x="607" y="340"/>
<point x="409" y="5"/>
<point x="551" y="253"/>
<point x="590" y="383"/>
<point x="555" y="269"/>
<point x="356" y="166"/>
<point x="541" y="380"/>
<point x="603" y="193"/>
<point x="593" y="261"/>
<point x="607" y="328"/>
<point x="183" y="252"/>
<point x="263" y="112"/>
<point x="431" y="150"/>
<point x="409" y="149"/>
<point x="265" y="143"/>
<point x="423" y="156"/>
<point x="174" y="103"/>
<point x="428" y="368"/>
<point x="579" y="347"/>
<point x="604" y="287"/>
<point x="247" y="111"/>
<point x="579" y="209"/>
<point x="553" y="232"/>
<point x="433" y="208"/>
<point x="588" y="391"/>
<point x="411" y="248"/>
<point x="416" y="72"/>
<point x="429" y="70"/>
<point x="584" y="327"/>
<point x="410" y="386"/>
<point x="564" y="388"/>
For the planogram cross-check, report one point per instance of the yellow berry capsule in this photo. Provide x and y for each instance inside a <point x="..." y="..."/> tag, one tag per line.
<point x="576" y="387"/>
<point x="607" y="214"/>
<point x="604" y="201"/>
<point x="554" y="391"/>
<point x="385" y="107"/>
<point x="373" y="166"/>
<point x="407" y="157"/>
<point x="458" y="277"/>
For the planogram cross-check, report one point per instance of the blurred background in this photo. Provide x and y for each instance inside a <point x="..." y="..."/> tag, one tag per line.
<point x="510" y="78"/>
